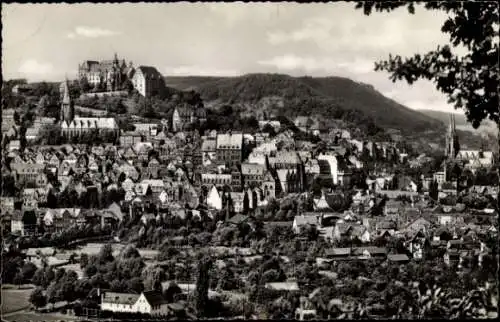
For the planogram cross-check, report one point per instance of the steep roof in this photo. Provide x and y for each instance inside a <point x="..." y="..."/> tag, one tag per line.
<point x="338" y="251"/>
<point x="65" y="89"/>
<point x="238" y="219"/>
<point x="306" y="220"/>
<point x="154" y="298"/>
<point x="120" y="298"/>
<point x="397" y="257"/>
<point x="149" y="71"/>
<point x="283" y="286"/>
<point x="230" y="141"/>
<point x="252" y="169"/>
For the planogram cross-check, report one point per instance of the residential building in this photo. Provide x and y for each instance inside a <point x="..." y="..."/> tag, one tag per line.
<point x="218" y="180"/>
<point x="130" y="138"/>
<point x="237" y="199"/>
<point x="253" y="174"/>
<point x="186" y="114"/>
<point x="208" y="150"/>
<point x="27" y="172"/>
<point x="229" y="148"/>
<point x="284" y="160"/>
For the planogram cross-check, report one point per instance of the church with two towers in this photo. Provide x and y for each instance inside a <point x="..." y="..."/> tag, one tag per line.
<point x="469" y="159"/>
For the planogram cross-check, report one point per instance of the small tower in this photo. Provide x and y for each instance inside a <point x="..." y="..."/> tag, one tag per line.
<point x="67" y="113"/>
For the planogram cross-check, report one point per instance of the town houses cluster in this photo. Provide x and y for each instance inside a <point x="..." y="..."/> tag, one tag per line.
<point x="163" y="170"/>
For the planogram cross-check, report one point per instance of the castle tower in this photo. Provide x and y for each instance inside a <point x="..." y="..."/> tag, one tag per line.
<point x="67" y="113"/>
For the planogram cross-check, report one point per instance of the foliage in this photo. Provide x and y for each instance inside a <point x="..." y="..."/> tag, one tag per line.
<point x="12" y="263"/>
<point x="470" y="81"/>
<point x="331" y="97"/>
<point x="49" y="135"/>
<point x="434" y="191"/>
<point x="37" y="298"/>
<point x="202" y="284"/>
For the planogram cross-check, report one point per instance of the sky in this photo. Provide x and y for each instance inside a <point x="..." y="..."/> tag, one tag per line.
<point x="48" y="41"/>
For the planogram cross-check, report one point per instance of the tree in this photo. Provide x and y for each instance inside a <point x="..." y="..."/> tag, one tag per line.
<point x="28" y="270"/>
<point x="18" y="279"/>
<point x="433" y="190"/>
<point x="130" y="252"/>
<point x="37" y="298"/>
<point x="471" y="81"/>
<point x="246" y="203"/>
<point x="106" y="253"/>
<point x="172" y="290"/>
<point x="202" y="285"/>
<point x="268" y="128"/>
<point x="135" y="285"/>
<point x="152" y="277"/>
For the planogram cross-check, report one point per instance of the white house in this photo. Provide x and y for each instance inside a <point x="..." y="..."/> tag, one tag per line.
<point x="150" y="302"/>
<point x="300" y="222"/>
<point x="118" y="302"/>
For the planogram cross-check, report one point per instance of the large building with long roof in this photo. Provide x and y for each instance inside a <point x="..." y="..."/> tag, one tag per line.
<point x="72" y="125"/>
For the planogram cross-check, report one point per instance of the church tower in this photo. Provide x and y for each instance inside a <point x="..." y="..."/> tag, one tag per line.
<point x="67" y="113"/>
<point x="452" y="145"/>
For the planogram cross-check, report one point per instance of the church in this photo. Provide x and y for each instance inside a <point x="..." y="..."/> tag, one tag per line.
<point x="469" y="159"/>
<point x="72" y="125"/>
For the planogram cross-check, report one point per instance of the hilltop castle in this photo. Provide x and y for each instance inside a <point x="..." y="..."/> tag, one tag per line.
<point x="112" y="74"/>
<point x="108" y="73"/>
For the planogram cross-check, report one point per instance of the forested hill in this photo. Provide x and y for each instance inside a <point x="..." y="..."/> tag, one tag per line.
<point x="334" y="97"/>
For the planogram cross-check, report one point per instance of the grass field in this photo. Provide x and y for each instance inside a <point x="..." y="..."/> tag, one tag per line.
<point x="15" y="300"/>
<point x="32" y="316"/>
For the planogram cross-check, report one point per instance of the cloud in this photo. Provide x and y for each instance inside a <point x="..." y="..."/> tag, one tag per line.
<point x="291" y="62"/>
<point x="316" y="29"/>
<point x="336" y="31"/>
<point x="33" y="67"/>
<point x="91" y="32"/>
<point x="200" y="71"/>
<point x="233" y="13"/>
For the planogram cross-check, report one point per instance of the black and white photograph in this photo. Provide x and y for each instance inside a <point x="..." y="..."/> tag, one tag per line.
<point x="250" y="161"/>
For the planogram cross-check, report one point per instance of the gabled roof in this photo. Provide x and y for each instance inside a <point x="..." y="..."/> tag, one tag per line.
<point x="305" y="220"/>
<point x="283" y="286"/>
<point x="149" y="71"/>
<point x="238" y="219"/>
<point x="120" y="298"/>
<point x="338" y="251"/>
<point x="397" y="257"/>
<point x="371" y="250"/>
<point x="154" y="298"/>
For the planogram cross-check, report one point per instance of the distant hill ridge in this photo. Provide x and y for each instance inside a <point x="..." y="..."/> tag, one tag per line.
<point x="309" y="95"/>
<point x="487" y="126"/>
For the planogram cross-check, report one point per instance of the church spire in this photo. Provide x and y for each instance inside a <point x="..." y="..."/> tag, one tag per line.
<point x="66" y="98"/>
<point x="67" y="108"/>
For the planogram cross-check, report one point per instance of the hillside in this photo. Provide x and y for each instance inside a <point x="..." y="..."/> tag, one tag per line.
<point x="330" y="97"/>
